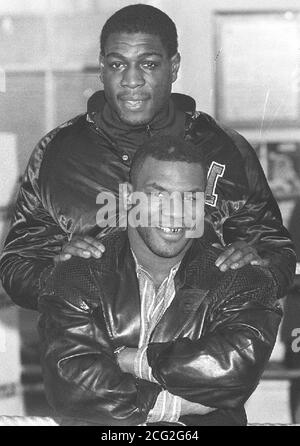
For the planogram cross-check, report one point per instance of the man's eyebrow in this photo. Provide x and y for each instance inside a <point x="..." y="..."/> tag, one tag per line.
<point x="140" y="56"/>
<point x="197" y="189"/>
<point x="152" y="53"/>
<point x="156" y="186"/>
<point x="162" y="189"/>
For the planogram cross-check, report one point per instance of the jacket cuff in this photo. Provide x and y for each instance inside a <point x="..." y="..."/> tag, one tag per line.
<point x="142" y="369"/>
<point x="147" y="394"/>
<point x="167" y="408"/>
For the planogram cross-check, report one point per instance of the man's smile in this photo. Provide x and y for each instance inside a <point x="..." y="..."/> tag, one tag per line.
<point x="134" y="105"/>
<point x="171" y="233"/>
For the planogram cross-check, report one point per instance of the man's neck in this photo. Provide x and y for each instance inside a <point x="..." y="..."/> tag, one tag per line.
<point x="163" y="118"/>
<point x="158" y="267"/>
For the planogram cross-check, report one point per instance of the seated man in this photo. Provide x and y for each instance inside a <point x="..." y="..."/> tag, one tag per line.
<point x="154" y="332"/>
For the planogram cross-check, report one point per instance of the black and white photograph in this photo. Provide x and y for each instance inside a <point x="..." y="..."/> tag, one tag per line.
<point x="149" y="215"/>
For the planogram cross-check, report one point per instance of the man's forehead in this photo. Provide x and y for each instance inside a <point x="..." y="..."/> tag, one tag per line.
<point x="164" y="173"/>
<point x="134" y="43"/>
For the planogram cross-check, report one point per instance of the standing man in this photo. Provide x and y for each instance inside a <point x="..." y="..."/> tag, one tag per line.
<point x="55" y="215"/>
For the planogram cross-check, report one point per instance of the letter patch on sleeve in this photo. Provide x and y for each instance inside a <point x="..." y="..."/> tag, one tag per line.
<point x="216" y="171"/>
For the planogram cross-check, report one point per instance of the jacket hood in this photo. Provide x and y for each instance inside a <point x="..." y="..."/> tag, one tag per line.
<point x="126" y="138"/>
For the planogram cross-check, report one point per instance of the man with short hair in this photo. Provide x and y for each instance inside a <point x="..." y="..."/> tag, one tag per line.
<point x="153" y="332"/>
<point x="55" y="216"/>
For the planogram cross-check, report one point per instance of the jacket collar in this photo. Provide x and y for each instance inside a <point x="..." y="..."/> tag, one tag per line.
<point x="126" y="138"/>
<point x="201" y="253"/>
<point x="195" y="279"/>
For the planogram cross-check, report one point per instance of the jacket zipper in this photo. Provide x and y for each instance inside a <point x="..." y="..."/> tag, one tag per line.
<point x="98" y="131"/>
<point x="148" y="130"/>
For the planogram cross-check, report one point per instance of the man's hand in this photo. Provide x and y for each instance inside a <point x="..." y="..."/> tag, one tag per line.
<point x="188" y="408"/>
<point x="126" y="360"/>
<point x="81" y="246"/>
<point x="239" y="254"/>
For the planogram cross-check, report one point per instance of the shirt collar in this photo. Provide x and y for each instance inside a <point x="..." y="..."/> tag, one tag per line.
<point x="140" y="269"/>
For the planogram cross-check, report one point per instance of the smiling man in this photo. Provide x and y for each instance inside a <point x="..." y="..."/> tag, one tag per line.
<point x="56" y="211"/>
<point x="174" y="197"/>
<point x="153" y="332"/>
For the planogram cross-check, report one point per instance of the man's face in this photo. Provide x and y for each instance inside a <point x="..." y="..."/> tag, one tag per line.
<point x="170" y="233"/>
<point x="137" y="75"/>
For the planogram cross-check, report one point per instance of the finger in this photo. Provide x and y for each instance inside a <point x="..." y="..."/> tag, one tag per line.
<point x="223" y="257"/>
<point x="260" y="262"/>
<point x="90" y="244"/>
<point x="234" y="257"/>
<point x="81" y="248"/>
<point x="95" y="243"/>
<point x="218" y="246"/>
<point x="235" y="261"/>
<point x="62" y="257"/>
<point x="245" y="260"/>
<point x="77" y="252"/>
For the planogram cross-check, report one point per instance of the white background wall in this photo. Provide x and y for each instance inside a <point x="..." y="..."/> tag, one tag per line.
<point x="194" y="19"/>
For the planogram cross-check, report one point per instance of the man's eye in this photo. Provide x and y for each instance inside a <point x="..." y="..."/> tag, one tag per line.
<point x="116" y="65"/>
<point x="150" y="65"/>
<point x="158" y="195"/>
<point x="190" y="197"/>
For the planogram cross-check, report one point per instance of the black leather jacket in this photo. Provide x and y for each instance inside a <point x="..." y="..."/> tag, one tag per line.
<point x="210" y="347"/>
<point x="76" y="161"/>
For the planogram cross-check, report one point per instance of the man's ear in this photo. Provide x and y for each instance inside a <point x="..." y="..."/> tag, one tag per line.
<point x="175" y="61"/>
<point x="126" y="196"/>
<point x="101" y="65"/>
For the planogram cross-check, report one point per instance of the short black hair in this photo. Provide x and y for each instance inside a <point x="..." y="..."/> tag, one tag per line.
<point x="167" y="148"/>
<point x="145" y="19"/>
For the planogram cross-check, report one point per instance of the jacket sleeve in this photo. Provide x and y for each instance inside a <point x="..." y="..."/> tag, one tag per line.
<point x="220" y="367"/>
<point x="33" y="240"/>
<point x="82" y="378"/>
<point x="259" y="220"/>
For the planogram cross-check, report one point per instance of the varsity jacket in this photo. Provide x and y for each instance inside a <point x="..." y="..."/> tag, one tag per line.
<point x="92" y="153"/>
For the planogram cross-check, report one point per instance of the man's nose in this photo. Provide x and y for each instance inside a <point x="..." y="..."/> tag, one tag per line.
<point x="132" y="78"/>
<point x="174" y="211"/>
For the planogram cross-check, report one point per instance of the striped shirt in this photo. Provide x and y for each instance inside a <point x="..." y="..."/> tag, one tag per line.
<point x="154" y="303"/>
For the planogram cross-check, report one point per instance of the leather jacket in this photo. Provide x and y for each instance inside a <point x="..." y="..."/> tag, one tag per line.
<point x="210" y="346"/>
<point x="75" y="162"/>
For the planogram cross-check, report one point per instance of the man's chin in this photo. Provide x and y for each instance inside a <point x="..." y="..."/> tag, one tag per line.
<point x="162" y="247"/>
<point x="167" y="252"/>
<point x="167" y="255"/>
<point x="135" y="118"/>
<point x="134" y="121"/>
